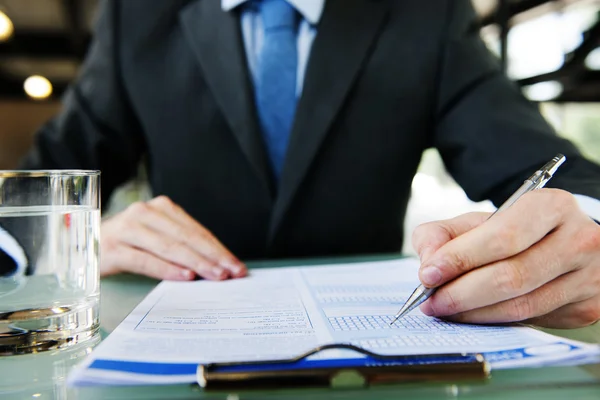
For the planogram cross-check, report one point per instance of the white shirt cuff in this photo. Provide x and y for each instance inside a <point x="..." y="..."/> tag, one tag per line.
<point x="589" y="205"/>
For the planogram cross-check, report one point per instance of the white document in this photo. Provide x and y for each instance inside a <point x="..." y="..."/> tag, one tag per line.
<point x="283" y="312"/>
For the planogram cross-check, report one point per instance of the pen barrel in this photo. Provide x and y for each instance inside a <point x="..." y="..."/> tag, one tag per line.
<point x="526" y="187"/>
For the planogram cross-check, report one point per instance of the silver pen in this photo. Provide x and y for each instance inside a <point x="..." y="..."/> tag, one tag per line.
<point x="535" y="181"/>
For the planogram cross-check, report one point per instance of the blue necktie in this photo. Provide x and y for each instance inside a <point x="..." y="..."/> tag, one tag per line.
<point x="276" y="78"/>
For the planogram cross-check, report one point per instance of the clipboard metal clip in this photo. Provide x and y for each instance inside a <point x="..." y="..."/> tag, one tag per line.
<point x="366" y="369"/>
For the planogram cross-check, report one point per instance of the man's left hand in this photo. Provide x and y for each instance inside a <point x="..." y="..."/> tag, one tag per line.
<point x="537" y="262"/>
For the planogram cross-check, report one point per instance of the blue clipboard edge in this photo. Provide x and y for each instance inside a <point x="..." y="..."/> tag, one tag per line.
<point x="300" y="362"/>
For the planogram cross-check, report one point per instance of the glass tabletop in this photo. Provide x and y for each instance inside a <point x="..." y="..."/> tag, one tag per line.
<point x="43" y="375"/>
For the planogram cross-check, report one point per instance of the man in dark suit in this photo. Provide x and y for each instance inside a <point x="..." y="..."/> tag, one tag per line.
<point x="291" y="128"/>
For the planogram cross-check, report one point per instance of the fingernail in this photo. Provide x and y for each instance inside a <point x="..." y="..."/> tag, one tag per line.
<point x="235" y="267"/>
<point x="431" y="276"/>
<point x="187" y="274"/>
<point x="219" y="273"/>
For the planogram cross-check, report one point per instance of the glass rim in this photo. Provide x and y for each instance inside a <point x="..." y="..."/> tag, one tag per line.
<point x="41" y="173"/>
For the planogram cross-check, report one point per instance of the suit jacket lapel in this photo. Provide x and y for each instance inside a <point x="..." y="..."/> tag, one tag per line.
<point x="345" y="34"/>
<point x="216" y="39"/>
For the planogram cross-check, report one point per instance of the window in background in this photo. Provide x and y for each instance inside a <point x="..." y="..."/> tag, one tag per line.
<point x="579" y="122"/>
<point x="539" y="45"/>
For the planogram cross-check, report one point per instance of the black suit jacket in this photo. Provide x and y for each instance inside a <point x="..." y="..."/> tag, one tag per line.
<point x="386" y="79"/>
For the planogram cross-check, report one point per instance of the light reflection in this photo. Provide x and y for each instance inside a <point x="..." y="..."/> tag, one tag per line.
<point x="592" y="61"/>
<point x="543" y="91"/>
<point x="37" y="87"/>
<point x="6" y="27"/>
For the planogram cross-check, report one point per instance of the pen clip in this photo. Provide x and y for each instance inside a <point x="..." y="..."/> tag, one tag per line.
<point x="539" y="179"/>
<point x="543" y="175"/>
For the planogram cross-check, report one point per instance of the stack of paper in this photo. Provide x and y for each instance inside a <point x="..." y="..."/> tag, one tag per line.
<point x="281" y="313"/>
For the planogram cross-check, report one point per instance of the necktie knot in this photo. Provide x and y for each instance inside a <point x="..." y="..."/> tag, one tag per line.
<point x="278" y="14"/>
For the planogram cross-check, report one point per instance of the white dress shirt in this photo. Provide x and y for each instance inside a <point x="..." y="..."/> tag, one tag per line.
<point x="252" y="30"/>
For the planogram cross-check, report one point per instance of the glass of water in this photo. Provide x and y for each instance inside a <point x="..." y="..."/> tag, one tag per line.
<point x="49" y="254"/>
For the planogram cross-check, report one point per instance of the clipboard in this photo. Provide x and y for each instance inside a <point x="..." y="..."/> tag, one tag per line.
<point x="301" y="371"/>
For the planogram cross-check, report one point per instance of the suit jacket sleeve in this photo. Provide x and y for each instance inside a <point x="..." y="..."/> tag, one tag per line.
<point x="490" y="137"/>
<point x="96" y="128"/>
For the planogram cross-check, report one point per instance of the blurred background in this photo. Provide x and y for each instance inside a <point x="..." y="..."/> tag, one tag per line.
<point x="550" y="47"/>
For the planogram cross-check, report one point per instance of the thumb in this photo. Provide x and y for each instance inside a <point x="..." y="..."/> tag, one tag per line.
<point x="429" y="237"/>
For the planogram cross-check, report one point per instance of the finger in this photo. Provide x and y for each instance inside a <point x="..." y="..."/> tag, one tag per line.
<point x="429" y="237"/>
<point x="195" y="235"/>
<point x="165" y="237"/>
<point x="575" y="315"/>
<point x="508" y="233"/>
<point x="503" y="280"/>
<point x="144" y="263"/>
<point x="566" y="289"/>
<point x="171" y="250"/>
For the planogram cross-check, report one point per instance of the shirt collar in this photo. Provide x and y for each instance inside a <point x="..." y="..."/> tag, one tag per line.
<point x="311" y="10"/>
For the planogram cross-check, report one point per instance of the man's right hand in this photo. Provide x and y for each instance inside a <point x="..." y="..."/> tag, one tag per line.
<point x="159" y="239"/>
